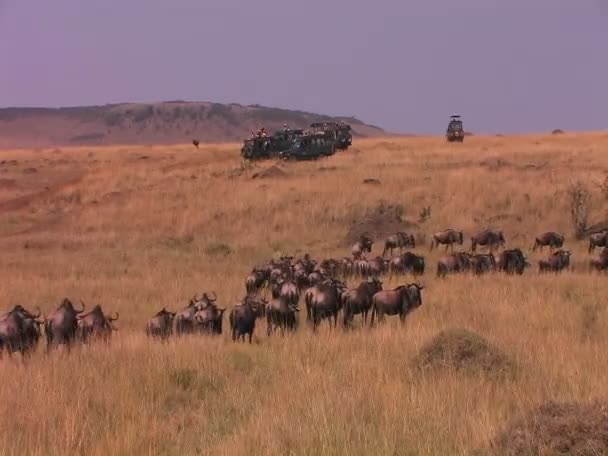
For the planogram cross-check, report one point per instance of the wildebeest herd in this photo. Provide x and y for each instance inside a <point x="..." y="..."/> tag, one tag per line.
<point x="321" y="284"/>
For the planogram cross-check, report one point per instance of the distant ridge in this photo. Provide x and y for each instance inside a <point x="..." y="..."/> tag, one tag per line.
<point x="167" y="122"/>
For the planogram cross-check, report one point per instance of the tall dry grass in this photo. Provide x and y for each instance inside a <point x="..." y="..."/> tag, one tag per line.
<point x="138" y="228"/>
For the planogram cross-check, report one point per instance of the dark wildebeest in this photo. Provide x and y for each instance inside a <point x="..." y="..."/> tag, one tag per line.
<point x="281" y="313"/>
<point x="183" y="322"/>
<point x="488" y="238"/>
<point x="161" y="324"/>
<point x="601" y="264"/>
<point x="598" y="240"/>
<point x="448" y="238"/>
<point x="324" y="300"/>
<point x="399" y="240"/>
<point x="399" y="301"/>
<point x="255" y="281"/>
<point x="556" y="262"/>
<point x="454" y="263"/>
<point x="512" y="261"/>
<point x="550" y="238"/>
<point x="359" y="300"/>
<point x="61" y="325"/>
<point x="377" y="266"/>
<point x="242" y="320"/>
<point x="19" y="331"/>
<point x="95" y="324"/>
<point x="482" y="263"/>
<point x="362" y="246"/>
<point x="209" y="319"/>
<point x="407" y="262"/>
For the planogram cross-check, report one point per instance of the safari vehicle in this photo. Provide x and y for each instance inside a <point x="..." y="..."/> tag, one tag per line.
<point x="455" y="131"/>
<point x="310" y="147"/>
<point x="283" y="139"/>
<point x="341" y="132"/>
<point x="256" y="148"/>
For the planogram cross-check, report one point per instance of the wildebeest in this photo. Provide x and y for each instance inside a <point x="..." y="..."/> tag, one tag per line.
<point x="362" y="246"/>
<point x="95" y="324"/>
<point x="208" y="319"/>
<point x="556" y="262"/>
<point x="19" y="331"/>
<point x="281" y="314"/>
<point x="161" y="324"/>
<point x="407" y="262"/>
<point x="61" y="325"/>
<point x="550" y="238"/>
<point x="183" y="322"/>
<point x="242" y="320"/>
<point x="456" y="262"/>
<point x="482" y="263"/>
<point x="398" y="240"/>
<point x="399" y="301"/>
<point x="359" y="300"/>
<point x="255" y="281"/>
<point x="601" y="264"/>
<point x="598" y="240"/>
<point x="448" y="238"/>
<point x="512" y="261"/>
<point x="488" y="238"/>
<point x="324" y="300"/>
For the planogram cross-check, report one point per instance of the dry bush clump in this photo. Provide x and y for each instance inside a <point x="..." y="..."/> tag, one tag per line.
<point x="380" y="221"/>
<point x="564" y="429"/>
<point x="271" y="172"/>
<point x="465" y="351"/>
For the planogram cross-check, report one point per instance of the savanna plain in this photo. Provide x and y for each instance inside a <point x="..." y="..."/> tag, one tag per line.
<point x="138" y="228"/>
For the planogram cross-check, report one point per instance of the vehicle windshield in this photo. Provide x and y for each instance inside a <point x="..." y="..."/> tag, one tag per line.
<point x="456" y="125"/>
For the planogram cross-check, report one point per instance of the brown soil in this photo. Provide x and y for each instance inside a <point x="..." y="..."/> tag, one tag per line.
<point x="272" y="172"/>
<point x="463" y="350"/>
<point x="557" y="429"/>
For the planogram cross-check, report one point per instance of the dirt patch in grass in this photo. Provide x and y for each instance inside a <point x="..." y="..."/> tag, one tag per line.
<point x="466" y="351"/>
<point x="379" y="222"/>
<point x="268" y="173"/>
<point x="557" y="429"/>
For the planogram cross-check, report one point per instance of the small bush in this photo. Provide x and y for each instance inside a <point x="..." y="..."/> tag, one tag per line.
<point x="463" y="350"/>
<point x="218" y="249"/>
<point x="579" y="199"/>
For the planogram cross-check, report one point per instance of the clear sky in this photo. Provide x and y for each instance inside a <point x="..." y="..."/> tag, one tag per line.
<point x="506" y="66"/>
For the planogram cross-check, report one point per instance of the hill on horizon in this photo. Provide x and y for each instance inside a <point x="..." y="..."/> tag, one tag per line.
<point x="152" y="123"/>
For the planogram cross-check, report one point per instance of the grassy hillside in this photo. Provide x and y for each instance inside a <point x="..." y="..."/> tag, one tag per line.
<point x="156" y="123"/>
<point x="142" y="227"/>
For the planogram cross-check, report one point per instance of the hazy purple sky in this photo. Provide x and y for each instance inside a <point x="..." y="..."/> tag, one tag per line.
<point x="508" y="66"/>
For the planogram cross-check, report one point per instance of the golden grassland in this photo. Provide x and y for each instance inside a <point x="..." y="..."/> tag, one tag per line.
<point x="139" y="228"/>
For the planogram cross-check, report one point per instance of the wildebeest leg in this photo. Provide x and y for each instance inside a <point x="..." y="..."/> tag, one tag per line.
<point x="250" y="334"/>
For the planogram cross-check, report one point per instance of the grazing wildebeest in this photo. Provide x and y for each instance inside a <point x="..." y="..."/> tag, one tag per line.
<point x="482" y="263"/>
<point x="488" y="238"/>
<point x="512" y="261"/>
<point x="359" y="300"/>
<point x="399" y="301"/>
<point x="242" y="320"/>
<point x="407" y="262"/>
<point x="362" y="246"/>
<point x="95" y="324"/>
<point x="454" y="263"/>
<point x="324" y="300"/>
<point x="183" y="322"/>
<point x="347" y="266"/>
<point x="377" y="266"/>
<point x="281" y="314"/>
<point x="19" y="331"/>
<point x="550" y="238"/>
<point x="398" y="240"/>
<point x="161" y="324"/>
<point x="448" y="238"/>
<point x="598" y="240"/>
<point x="556" y="262"/>
<point x="60" y="326"/>
<point x="209" y="319"/>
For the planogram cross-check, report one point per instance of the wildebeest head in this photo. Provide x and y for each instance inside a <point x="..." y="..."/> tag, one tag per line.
<point x="67" y="305"/>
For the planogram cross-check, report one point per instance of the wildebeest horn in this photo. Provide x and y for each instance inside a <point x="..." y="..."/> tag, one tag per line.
<point x="115" y="318"/>
<point x="39" y="313"/>
<point x="83" y="306"/>
<point x="214" y="297"/>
